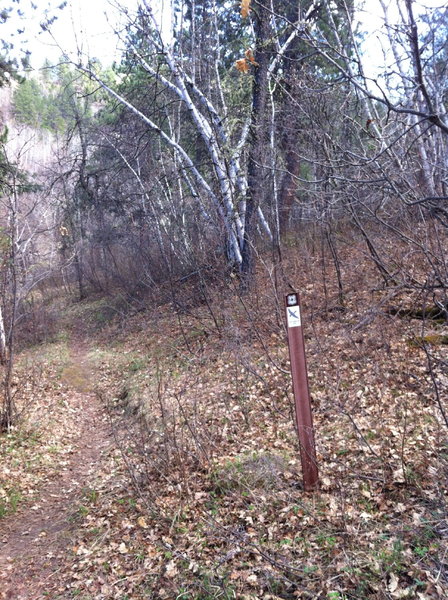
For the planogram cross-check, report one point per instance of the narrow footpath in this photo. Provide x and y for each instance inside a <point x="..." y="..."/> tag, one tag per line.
<point x="34" y="540"/>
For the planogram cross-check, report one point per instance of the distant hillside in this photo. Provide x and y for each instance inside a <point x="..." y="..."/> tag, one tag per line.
<point x="32" y="149"/>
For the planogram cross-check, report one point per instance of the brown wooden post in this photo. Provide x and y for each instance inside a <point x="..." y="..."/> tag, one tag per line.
<point x="299" y="374"/>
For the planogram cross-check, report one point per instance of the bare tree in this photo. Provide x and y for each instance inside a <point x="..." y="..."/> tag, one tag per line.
<point x="9" y="208"/>
<point x="227" y="182"/>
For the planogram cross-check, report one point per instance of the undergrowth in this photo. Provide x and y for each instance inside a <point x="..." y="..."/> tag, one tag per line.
<point x="202" y="411"/>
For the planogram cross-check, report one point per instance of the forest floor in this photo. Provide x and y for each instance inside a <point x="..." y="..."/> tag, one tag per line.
<point x="157" y="457"/>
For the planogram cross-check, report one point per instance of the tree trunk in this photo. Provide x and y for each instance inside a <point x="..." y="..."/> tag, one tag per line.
<point x="289" y="185"/>
<point x="3" y="347"/>
<point x="258" y="139"/>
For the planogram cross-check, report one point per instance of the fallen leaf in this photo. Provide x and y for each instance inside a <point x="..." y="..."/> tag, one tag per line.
<point x="141" y="522"/>
<point x="122" y="548"/>
<point x="393" y="583"/>
<point x="171" y="570"/>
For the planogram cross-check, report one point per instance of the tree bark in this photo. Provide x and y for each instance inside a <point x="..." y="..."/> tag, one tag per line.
<point x="3" y="347"/>
<point x="258" y="139"/>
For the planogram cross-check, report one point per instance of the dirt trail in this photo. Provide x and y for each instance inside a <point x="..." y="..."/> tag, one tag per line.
<point x="34" y="540"/>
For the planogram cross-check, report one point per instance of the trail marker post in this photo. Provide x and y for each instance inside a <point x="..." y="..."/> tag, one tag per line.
<point x="302" y="401"/>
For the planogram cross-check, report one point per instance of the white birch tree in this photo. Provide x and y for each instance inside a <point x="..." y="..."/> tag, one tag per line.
<point x="225" y="182"/>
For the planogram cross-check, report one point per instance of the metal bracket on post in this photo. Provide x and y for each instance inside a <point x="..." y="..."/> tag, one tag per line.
<point x="302" y="401"/>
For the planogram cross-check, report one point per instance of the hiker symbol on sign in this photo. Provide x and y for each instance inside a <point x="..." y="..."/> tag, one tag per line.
<point x="294" y="319"/>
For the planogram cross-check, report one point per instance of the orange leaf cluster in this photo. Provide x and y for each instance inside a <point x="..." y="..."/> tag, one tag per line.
<point x="245" y="7"/>
<point x="250" y="57"/>
<point x="242" y="65"/>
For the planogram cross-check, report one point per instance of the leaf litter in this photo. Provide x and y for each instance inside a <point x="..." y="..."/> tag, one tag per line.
<point x="200" y="494"/>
